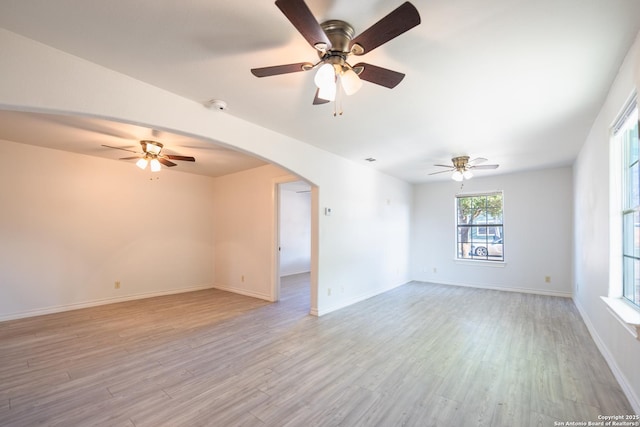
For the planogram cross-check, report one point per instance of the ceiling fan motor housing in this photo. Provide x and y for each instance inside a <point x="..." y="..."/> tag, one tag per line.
<point x="460" y="162"/>
<point x="339" y="34"/>
<point x="151" y="147"/>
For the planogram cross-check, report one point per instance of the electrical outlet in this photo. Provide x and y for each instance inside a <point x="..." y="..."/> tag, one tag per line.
<point x="435" y="270"/>
<point x="547" y="279"/>
<point x="242" y="278"/>
<point x="328" y="292"/>
<point x="116" y="285"/>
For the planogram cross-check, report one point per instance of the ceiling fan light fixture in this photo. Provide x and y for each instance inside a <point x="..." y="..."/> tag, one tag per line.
<point x="350" y="81"/>
<point x="325" y="76"/>
<point x="457" y="176"/>
<point x="142" y="163"/>
<point x="328" y="92"/>
<point x="155" y="165"/>
<point x="467" y="174"/>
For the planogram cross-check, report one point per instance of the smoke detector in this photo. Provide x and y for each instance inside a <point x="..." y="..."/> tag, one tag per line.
<point x="216" y="104"/>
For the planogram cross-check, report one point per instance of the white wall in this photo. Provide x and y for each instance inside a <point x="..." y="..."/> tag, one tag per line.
<point x="295" y="232"/>
<point x="537" y="230"/>
<point x="592" y="236"/>
<point x="366" y="239"/>
<point x="71" y="225"/>
<point x="244" y="224"/>
<point x="362" y="250"/>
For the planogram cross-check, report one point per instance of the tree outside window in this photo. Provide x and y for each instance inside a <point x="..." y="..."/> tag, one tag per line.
<point x="479" y="227"/>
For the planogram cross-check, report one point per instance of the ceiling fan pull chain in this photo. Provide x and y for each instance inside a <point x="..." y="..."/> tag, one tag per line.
<point x="337" y="108"/>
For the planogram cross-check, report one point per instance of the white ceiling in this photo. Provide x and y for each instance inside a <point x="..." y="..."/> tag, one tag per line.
<point x="88" y="135"/>
<point x="517" y="82"/>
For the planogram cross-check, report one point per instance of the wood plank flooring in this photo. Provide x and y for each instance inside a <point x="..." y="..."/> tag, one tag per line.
<point x="420" y="355"/>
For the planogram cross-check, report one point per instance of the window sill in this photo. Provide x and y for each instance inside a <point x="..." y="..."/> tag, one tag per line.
<point x="480" y="262"/>
<point x="628" y="316"/>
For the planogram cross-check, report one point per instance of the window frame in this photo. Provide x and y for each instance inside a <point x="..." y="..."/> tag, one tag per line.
<point x="628" y="124"/>
<point x="623" y="310"/>
<point x="468" y="242"/>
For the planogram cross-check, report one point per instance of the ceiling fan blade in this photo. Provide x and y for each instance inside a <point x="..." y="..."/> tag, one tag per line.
<point x="281" y="69"/>
<point x="402" y="19"/>
<point x="445" y="166"/>
<point x="317" y="100"/>
<point x="436" y="173"/>
<point x="484" y="167"/>
<point x="298" y="13"/>
<point x="121" y="148"/>
<point x="129" y="158"/>
<point x="166" y="162"/>
<point x="183" y="158"/>
<point x="378" y="75"/>
<point x="477" y="160"/>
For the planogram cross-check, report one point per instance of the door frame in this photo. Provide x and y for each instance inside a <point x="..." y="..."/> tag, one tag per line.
<point x="275" y="281"/>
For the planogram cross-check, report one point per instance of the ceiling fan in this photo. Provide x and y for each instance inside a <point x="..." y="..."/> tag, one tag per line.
<point x="151" y="156"/>
<point x="462" y="166"/>
<point x="334" y="41"/>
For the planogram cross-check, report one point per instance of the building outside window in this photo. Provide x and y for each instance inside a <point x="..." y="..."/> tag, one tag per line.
<point x="480" y="233"/>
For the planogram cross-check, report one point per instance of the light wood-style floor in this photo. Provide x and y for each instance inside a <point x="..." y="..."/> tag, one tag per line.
<point x="420" y="355"/>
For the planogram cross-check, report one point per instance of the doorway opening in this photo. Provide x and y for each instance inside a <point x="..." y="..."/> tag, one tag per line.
<point x="294" y="245"/>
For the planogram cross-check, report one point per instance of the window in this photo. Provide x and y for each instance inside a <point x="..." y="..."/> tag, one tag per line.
<point x="625" y="133"/>
<point x="479" y="227"/>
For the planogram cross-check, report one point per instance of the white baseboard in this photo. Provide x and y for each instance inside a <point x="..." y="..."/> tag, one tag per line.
<point x="353" y="300"/>
<point x="294" y="273"/>
<point x="611" y="361"/>
<point x="95" y="303"/>
<point x="505" y="288"/>
<point x="244" y="292"/>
